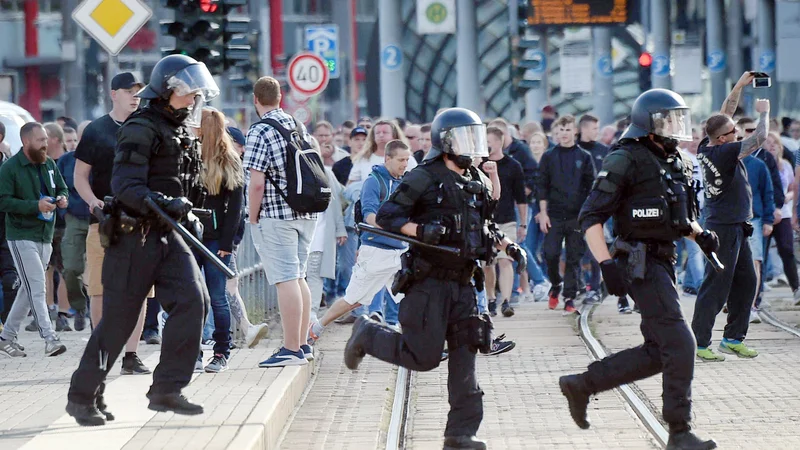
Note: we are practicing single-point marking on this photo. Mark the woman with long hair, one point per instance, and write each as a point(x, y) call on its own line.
point(373, 153)
point(223, 179)
point(782, 231)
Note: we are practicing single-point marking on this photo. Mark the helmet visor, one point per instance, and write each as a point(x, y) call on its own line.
point(194, 79)
point(673, 123)
point(469, 140)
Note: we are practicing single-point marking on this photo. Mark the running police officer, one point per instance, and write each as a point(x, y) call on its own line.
point(645, 186)
point(445, 201)
point(156, 158)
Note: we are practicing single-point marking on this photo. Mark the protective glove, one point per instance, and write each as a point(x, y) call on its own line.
point(194, 225)
point(176, 208)
point(431, 233)
point(615, 281)
point(519, 256)
point(708, 241)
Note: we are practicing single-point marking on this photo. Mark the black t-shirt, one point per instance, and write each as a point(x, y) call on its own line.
point(96, 148)
point(512, 189)
point(729, 199)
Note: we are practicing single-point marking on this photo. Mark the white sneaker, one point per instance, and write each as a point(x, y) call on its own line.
point(541, 291)
point(54, 347)
point(207, 344)
point(767, 287)
point(255, 333)
point(198, 366)
point(754, 317)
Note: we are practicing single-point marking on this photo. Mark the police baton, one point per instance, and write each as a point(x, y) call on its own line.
point(189, 237)
point(713, 259)
point(410, 240)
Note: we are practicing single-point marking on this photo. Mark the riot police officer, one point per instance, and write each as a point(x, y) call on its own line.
point(156, 158)
point(445, 201)
point(645, 184)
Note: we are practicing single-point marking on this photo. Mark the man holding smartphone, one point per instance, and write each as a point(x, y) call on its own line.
point(728, 211)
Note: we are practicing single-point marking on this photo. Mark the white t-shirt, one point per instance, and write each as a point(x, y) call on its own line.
point(363, 167)
point(318, 243)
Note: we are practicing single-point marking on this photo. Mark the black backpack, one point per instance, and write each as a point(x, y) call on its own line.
point(307, 188)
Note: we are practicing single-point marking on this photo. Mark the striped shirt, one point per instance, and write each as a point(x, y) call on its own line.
point(265, 151)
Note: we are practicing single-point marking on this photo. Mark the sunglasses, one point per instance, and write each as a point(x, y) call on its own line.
point(750, 130)
point(729, 132)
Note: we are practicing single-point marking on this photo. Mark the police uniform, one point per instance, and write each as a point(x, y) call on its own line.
point(156, 158)
point(647, 191)
point(440, 302)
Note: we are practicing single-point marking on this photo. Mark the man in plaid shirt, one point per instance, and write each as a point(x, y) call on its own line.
point(281, 235)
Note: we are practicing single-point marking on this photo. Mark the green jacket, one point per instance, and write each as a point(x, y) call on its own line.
point(20, 190)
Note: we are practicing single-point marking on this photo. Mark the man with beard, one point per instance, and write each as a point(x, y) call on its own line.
point(31, 187)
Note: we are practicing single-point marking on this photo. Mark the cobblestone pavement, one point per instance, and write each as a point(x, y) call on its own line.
point(523, 407)
point(741, 403)
point(343, 409)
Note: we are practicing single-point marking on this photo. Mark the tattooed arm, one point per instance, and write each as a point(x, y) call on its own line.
point(755, 140)
point(732, 102)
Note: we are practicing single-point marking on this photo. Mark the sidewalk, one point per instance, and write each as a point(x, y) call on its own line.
point(747, 404)
point(246, 407)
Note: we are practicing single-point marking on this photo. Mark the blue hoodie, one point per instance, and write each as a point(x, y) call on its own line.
point(761, 185)
point(371, 201)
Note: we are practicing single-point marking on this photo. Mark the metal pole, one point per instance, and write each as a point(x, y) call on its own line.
point(716, 59)
point(74, 70)
point(112, 68)
point(393, 85)
point(260, 10)
point(733, 19)
point(469, 96)
point(659, 15)
point(766, 50)
point(342, 17)
point(603, 75)
point(536, 98)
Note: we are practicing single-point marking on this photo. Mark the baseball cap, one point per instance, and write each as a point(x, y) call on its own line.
point(236, 135)
point(357, 131)
point(548, 109)
point(125, 80)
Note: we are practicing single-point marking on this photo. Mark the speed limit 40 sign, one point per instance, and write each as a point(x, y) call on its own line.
point(308, 74)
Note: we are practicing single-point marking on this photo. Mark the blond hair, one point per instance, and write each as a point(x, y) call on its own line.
point(777, 137)
point(221, 163)
point(371, 146)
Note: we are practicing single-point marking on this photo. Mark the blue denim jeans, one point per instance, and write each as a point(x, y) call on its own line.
point(221, 311)
point(533, 243)
point(695, 265)
point(384, 303)
point(482, 301)
point(345, 260)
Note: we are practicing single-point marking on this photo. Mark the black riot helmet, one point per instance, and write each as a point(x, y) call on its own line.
point(660, 112)
point(459, 132)
point(180, 74)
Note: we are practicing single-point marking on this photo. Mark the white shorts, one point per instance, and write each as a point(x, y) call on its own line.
point(375, 268)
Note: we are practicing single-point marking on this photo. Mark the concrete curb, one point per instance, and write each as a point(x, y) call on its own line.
point(262, 428)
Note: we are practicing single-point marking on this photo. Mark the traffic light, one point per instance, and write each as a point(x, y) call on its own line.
point(528, 60)
point(203, 31)
point(645, 69)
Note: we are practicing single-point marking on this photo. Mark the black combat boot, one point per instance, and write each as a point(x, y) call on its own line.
point(174, 402)
point(85, 415)
point(454, 442)
point(578, 397)
point(362, 333)
point(681, 438)
point(103, 408)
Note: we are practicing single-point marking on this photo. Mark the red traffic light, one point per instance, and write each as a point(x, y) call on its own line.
point(645, 59)
point(208, 6)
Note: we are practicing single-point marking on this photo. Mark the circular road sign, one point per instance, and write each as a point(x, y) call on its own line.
point(308, 74)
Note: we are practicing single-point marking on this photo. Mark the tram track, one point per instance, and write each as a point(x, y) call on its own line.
point(633, 399)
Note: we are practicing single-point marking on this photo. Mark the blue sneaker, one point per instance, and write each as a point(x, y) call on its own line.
point(283, 357)
point(308, 352)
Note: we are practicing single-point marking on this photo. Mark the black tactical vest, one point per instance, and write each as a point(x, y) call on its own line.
point(657, 204)
point(462, 205)
point(175, 159)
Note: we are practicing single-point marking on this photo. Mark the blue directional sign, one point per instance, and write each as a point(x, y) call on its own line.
point(537, 55)
point(392, 57)
point(323, 40)
point(661, 66)
point(767, 61)
point(716, 61)
point(604, 66)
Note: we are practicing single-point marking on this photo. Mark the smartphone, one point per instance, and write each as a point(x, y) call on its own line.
point(761, 80)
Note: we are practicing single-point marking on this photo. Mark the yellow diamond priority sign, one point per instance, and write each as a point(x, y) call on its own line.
point(112, 23)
